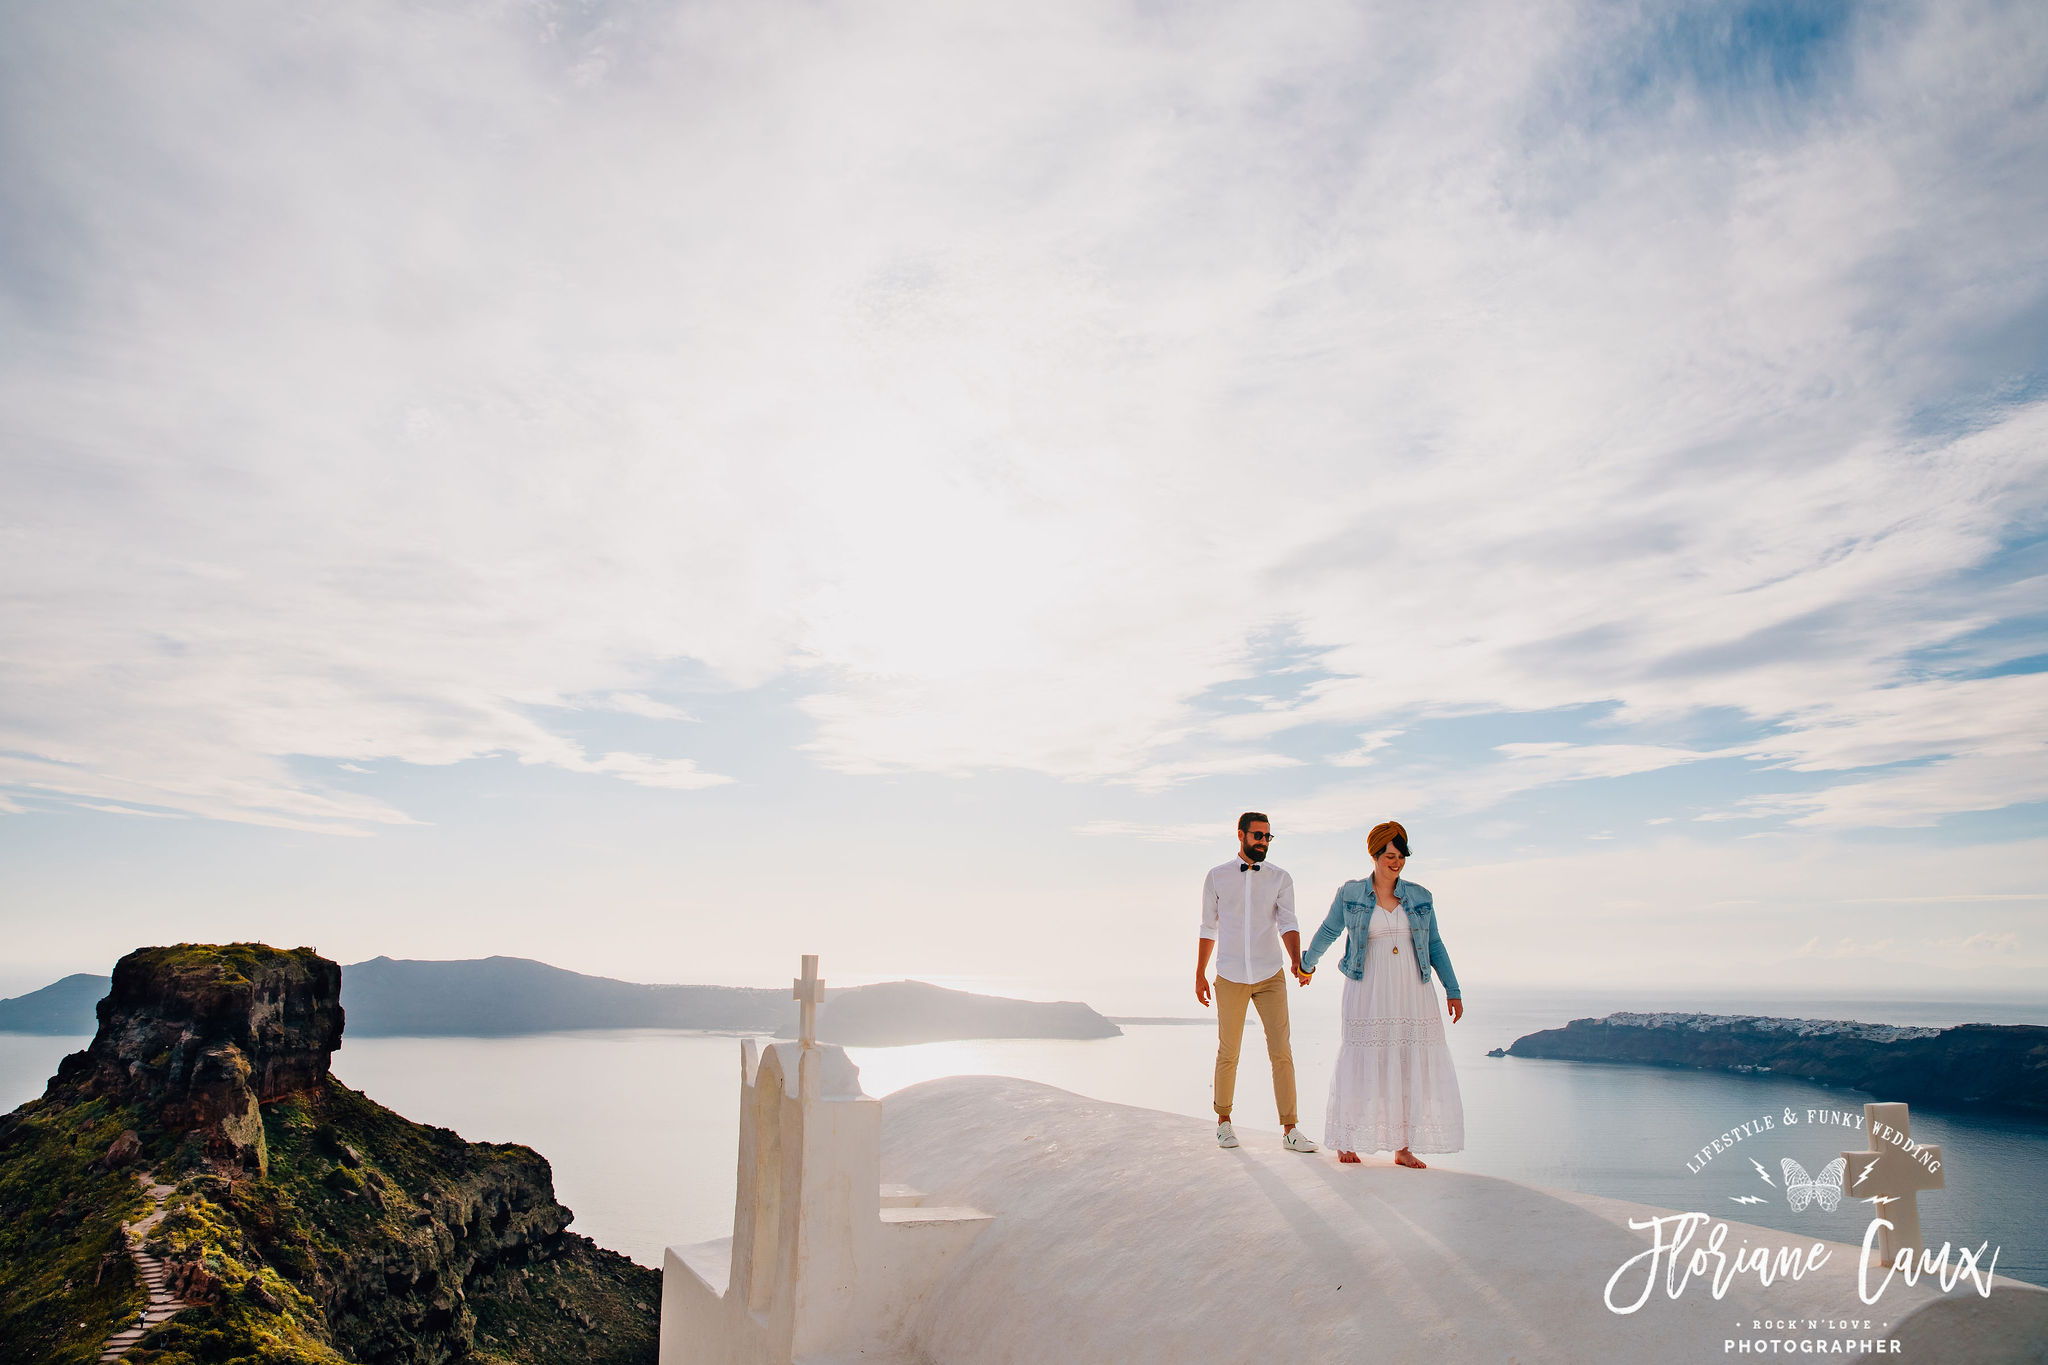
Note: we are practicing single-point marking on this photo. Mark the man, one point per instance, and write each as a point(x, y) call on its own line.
point(1247, 916)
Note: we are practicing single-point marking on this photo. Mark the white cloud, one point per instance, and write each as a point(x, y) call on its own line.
point(1369, 744)
point(1984, 738)
point(129, 810)
point(638, 704)
point(1159, 776)
point(1915, 796)
point(1990, 943)
point(1785, 912)
point(1192, 833)
point(1846, 947)
point(999, 377)
point(679, 774)
point(1948, 899)
point(1551, 761)
point(1955, 954)
point(176, 772)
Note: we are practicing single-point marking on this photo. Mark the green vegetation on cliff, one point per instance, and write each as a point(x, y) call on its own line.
point(335, 1231)
point(66, 1281)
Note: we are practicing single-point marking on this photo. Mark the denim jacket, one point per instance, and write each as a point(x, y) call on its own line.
point(1354, 906)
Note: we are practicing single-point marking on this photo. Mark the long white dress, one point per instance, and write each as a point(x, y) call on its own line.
point(1395, 1086)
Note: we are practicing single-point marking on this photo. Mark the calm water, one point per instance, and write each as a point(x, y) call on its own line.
point(642, 1126)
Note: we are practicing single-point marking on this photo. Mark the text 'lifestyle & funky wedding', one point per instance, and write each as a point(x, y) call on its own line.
point(1789, 1118)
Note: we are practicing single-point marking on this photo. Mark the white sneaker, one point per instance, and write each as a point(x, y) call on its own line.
point(1225, 1135)
point(1298, 1141)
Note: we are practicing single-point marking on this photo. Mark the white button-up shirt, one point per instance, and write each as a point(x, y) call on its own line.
point(1246, 909)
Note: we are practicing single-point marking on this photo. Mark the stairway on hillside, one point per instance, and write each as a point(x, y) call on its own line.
point(163, 1305)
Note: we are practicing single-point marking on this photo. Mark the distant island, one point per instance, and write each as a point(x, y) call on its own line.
point(62, 1008)
point(1991, 1066)
point(504, 996)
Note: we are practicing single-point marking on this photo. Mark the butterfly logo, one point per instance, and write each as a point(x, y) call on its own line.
point(1824, 1189)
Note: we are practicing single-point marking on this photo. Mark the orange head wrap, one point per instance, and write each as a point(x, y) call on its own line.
point(1391, 832)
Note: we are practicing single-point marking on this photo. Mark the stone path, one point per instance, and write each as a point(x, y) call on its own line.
point(162, 1304)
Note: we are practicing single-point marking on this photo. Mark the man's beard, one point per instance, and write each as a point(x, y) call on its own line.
point(1255, 855)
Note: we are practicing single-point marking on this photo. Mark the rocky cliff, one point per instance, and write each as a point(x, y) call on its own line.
point(308, 1223)
point(1997, 1066)
point(202, 1037)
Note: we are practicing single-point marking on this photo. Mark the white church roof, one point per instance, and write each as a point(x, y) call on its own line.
point(1126, 1235)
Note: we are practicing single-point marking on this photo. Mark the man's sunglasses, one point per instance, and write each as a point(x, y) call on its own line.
point(1262, 838)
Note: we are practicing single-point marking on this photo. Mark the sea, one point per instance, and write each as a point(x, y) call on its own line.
point(642, 1126)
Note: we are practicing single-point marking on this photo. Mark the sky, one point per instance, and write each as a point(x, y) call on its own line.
point(662, 487)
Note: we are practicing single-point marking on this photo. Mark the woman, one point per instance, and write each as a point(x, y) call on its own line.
point(1395, 1087)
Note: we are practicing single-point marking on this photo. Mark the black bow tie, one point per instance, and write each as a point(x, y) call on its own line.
point(1247, 867)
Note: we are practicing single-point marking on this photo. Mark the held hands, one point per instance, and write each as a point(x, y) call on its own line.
point(1457, 1008)
point(1302, 978)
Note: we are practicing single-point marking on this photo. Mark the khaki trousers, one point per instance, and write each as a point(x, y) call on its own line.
point(1270, 996)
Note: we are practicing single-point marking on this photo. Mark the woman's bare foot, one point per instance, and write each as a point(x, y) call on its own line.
point(1404, 1157)
point(1348, 1158)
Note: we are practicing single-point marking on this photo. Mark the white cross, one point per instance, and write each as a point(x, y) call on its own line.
point(810, 990)
point(1888, 1170)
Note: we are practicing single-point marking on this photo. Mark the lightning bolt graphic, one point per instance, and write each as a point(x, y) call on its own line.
point(1746, 1198)
point(1882, 1199)
point(1867, 1170)
point(1764, 1173)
